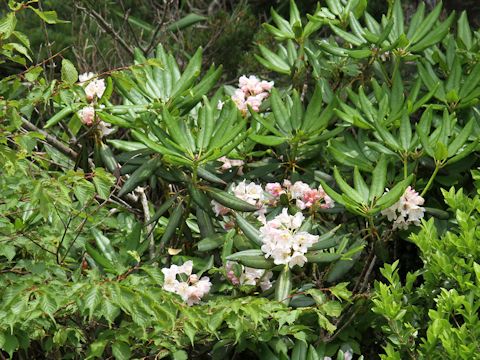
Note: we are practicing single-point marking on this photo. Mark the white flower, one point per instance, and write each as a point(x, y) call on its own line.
point(192, 290)
point(297, 259)
point(186, 268)
point(407, 210)
point(249, 276)
point(282, 240)
point(104, 128)
point(93, 86)
point(265, 283)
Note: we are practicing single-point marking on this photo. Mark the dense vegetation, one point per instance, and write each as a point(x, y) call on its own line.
point(181, 182)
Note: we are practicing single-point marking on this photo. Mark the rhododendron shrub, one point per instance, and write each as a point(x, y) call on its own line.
point(157, 211)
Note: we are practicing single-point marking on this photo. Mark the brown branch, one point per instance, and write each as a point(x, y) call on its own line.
point(51, 139)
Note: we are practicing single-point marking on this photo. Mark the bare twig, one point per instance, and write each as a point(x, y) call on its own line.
point(48, 45)
point(106, 27)
point(38, 244)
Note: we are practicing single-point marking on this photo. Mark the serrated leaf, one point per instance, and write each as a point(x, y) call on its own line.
point(92, 300)
point(69, 73)
point(103, 182)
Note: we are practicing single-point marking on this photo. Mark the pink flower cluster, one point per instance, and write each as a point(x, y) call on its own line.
point(251, 91)
point(407, 210)
point(248, 192)
point(192, 290)
point(302, 193)
point(283, 241)
point(249, 276)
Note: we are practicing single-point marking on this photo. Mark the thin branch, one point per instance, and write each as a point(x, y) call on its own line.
point(51, 139)
point(38, 244)
point(106, 27)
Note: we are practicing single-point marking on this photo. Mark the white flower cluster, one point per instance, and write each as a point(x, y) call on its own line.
point(302, 193)
point(248, 192)
point(192, 290)
point(249, 276)
point(251, 91)
point(94, 89)
point(284, 242)
point(407, 210)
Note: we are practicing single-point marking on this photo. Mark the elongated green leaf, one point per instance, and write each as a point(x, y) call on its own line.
point(140, 175)
point(321, 257)
point(434, 36)
point(62, 114)
point(424, 26)
point(99, 258)
point(471, 82)
point(103, 243)
point(250, 231)
point(283, 286)
point(172, 225)
point(276, 61)
point(229, 200)
point(347, 189)
point(360, 184)
point(269, 140)
point(460, 139)
point(189, 75)
point(280, 112)
point(348, 37)
point(394, 194)
point(252, 258)
point(186, 21)
point(379, 178)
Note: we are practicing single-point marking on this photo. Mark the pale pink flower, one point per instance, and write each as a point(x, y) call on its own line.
point(251, 92)
point(249, 276)
point(229, 163)
point(274, 189)
point(307, 197)
point(219, 209)
point(87, 115)
point(298, 189)
point(93, 86)
point(287, 184)
point(254, 102)
point(204, 285)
